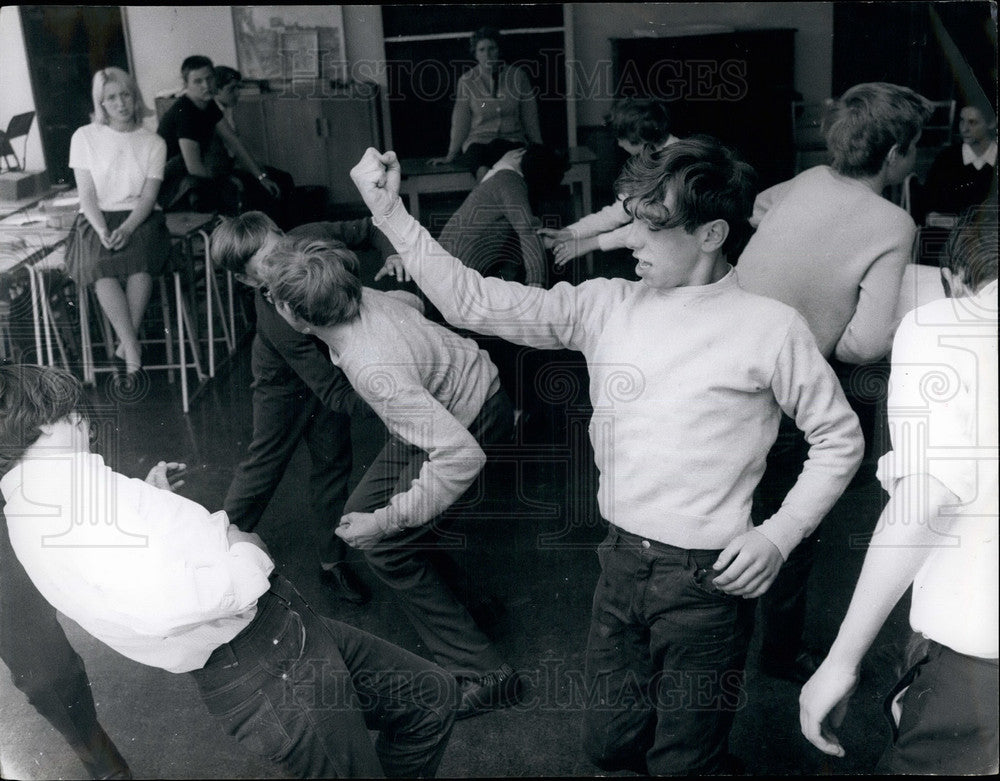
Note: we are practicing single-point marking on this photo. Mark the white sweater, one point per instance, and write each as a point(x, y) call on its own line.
point(687, 387)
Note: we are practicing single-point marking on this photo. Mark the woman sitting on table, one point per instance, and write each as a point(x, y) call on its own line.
point(119, 235)
point(495, 109)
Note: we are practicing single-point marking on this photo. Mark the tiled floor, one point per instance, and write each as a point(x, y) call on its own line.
point(531, 540)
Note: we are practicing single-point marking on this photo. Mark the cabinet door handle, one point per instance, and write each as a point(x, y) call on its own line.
point(319, 127)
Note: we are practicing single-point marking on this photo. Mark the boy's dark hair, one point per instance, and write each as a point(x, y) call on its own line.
point(224, 76)
point(193, 63)
point(711, 181)
point(867, 121)
point(971, 250)
point(640, 121)
point(543, 168)
point(317, 279)
point(236, 239)
point(30, 397)
point(483, 34)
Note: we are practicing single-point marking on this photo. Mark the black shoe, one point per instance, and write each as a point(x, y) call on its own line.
point(345, 584)
point(798, 670)
point(498, 689)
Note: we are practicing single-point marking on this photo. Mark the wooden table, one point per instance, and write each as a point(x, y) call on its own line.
point(31, 240)
point(422, 178)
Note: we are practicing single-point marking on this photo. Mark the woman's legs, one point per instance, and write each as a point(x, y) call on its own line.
point(125, 309)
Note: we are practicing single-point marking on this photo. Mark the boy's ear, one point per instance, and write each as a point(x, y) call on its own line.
point(714, 235)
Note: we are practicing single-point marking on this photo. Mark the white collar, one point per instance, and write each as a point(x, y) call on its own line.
point(988, 157)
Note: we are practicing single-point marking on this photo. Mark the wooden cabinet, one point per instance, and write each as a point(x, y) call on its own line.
point(317, 135)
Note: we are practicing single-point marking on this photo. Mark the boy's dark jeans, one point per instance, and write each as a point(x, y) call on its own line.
point(303, 690)
point(414, 563)
point(665, 657)
point(45, 667)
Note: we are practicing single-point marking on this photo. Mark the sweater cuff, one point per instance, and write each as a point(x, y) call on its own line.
point(395, 224)
point(783, 531)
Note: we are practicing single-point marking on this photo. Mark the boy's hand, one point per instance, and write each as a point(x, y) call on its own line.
point(748, 565)
point(572, 249)
point(234, 534)
point(166, 475)
point(823, 704)
point(553, 236)
point(393, 267)
point(377, 177)
point(360, 530)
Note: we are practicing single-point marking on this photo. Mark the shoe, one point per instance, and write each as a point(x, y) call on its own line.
point(344, 583)
point(499, 689)
point(797, 670)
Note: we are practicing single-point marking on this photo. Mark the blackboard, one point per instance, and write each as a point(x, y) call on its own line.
point(65, 46)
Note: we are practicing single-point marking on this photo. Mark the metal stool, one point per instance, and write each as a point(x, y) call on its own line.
point(186, 228)
point(184, 335)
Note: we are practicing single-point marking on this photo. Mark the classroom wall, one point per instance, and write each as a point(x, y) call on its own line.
point(209, 30)
point(161, 36)
point(15, 85)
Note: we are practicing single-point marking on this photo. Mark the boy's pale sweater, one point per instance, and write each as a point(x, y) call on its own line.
point(836, 251)
point(687, 387)
point(427, 384)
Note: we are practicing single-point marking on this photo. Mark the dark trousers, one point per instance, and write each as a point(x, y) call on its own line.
point(665, 658)
point(303, 690)
point(285, 412)
point(256, 198)
point(45, 667)
point(410, 562)
point(948, 723)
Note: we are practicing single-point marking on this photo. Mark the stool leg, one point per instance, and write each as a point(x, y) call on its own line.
point(227, 333)
point(209, 287)
point(192, 339)
point(168, 336)
point(86, 348)
point(35, 317)
point(179, 294)
point(51, 329)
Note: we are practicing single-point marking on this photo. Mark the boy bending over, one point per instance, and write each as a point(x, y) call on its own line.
point(166, 583)
point(440, 398)
point(689, 375)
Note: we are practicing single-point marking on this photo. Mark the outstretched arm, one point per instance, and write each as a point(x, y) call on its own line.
point(565, 316)
point(910, 526)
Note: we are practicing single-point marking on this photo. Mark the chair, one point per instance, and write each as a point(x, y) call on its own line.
point(18, 127)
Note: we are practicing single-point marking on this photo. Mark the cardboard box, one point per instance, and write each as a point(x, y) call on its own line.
point(17, 185)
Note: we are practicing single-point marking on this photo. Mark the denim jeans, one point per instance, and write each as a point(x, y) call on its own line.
point(665, 657)
point(413, 563)
point(303, 690)
point(44, 666)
